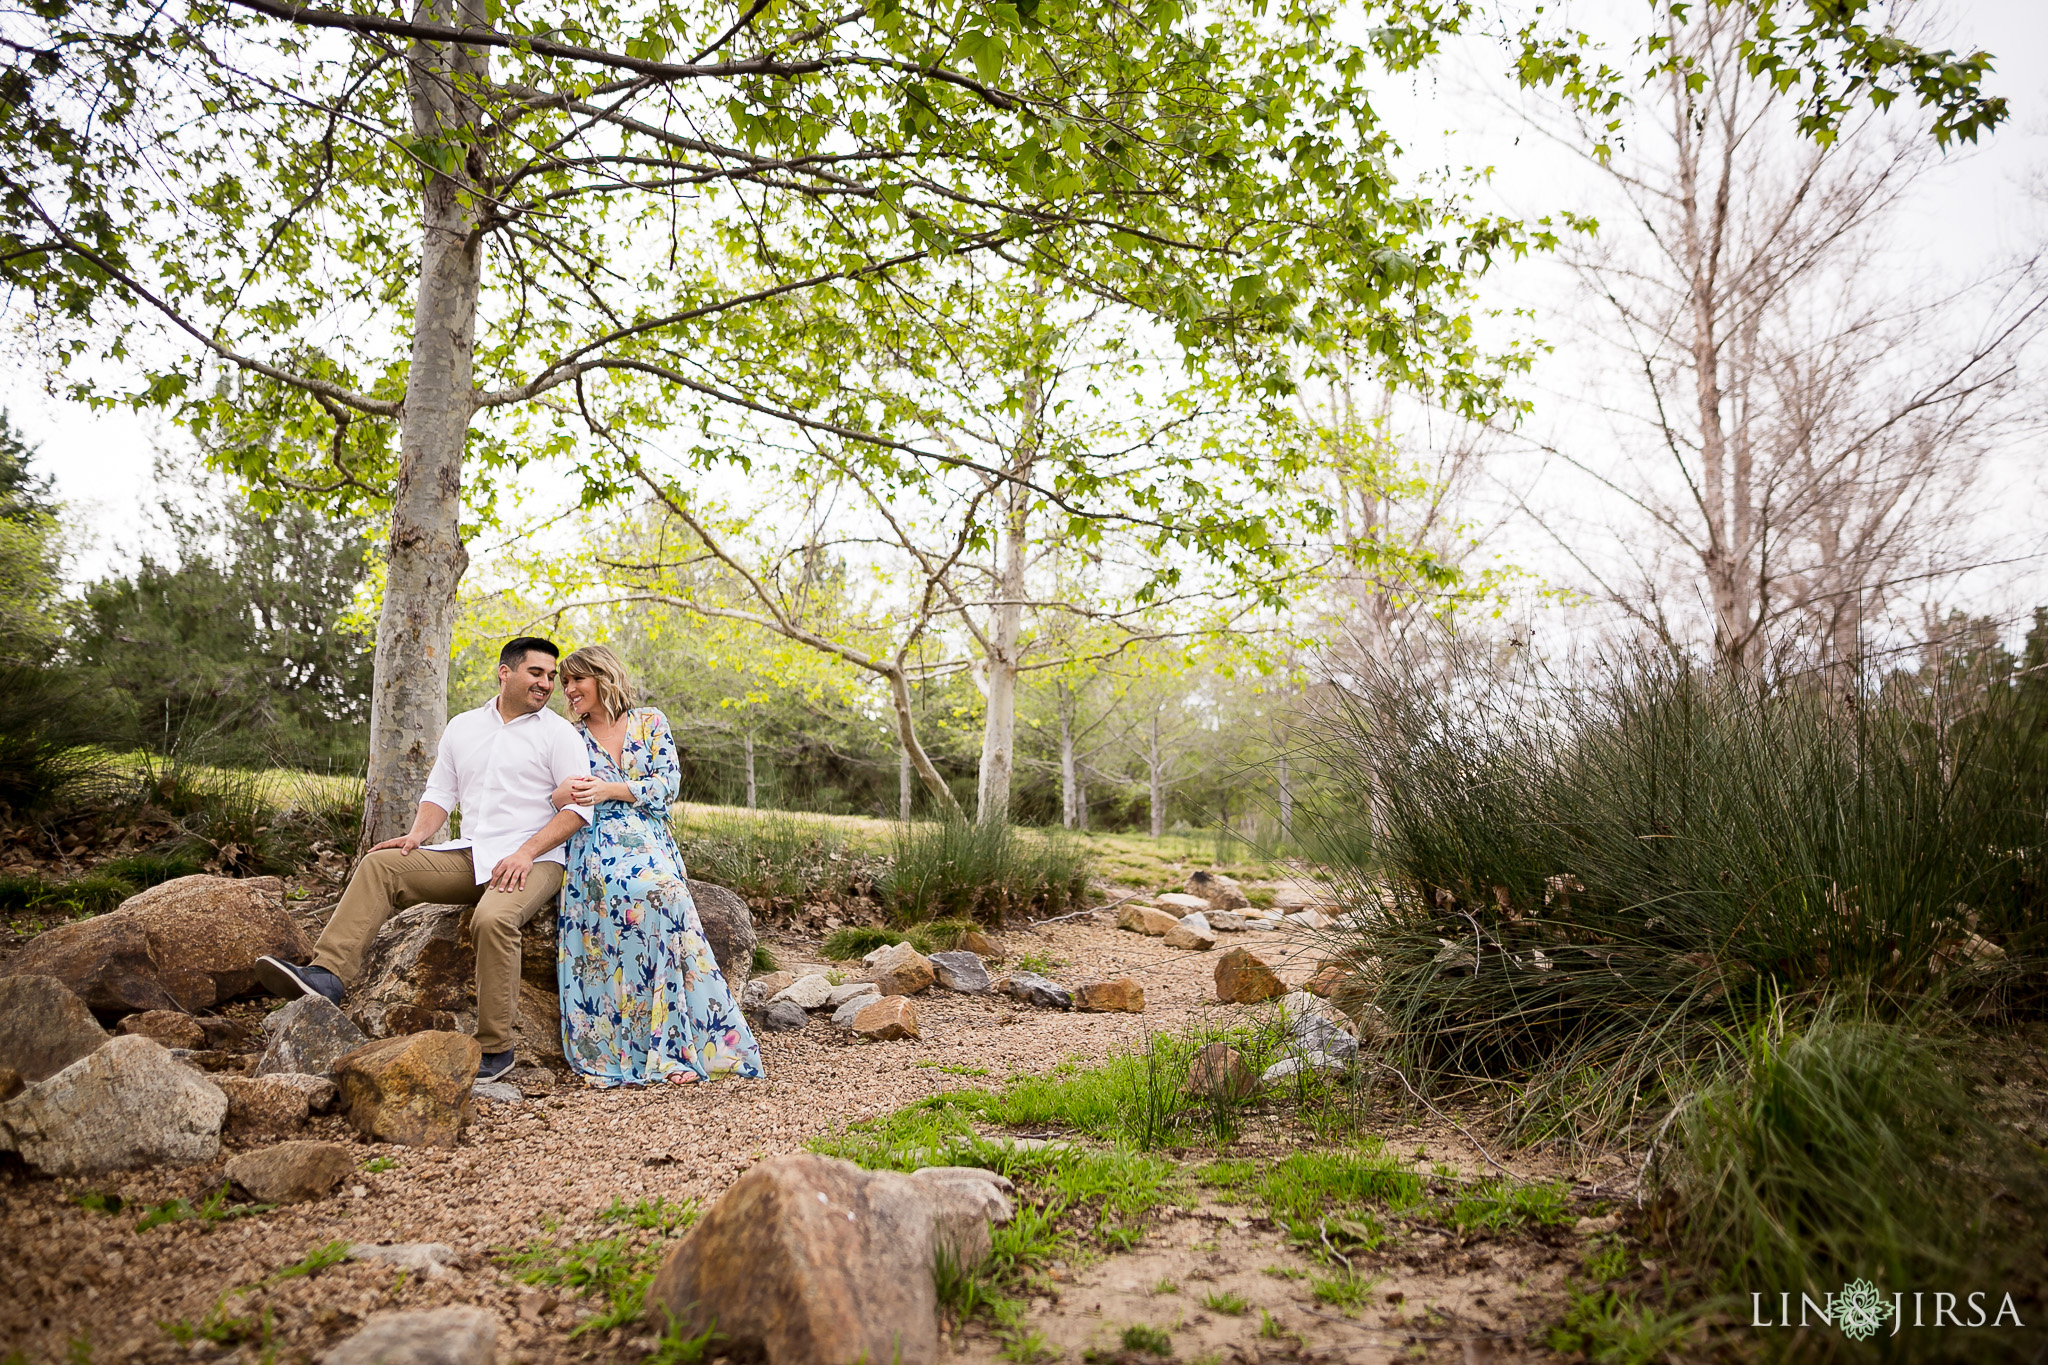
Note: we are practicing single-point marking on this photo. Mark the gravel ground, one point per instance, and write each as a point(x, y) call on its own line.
point(86, 1286)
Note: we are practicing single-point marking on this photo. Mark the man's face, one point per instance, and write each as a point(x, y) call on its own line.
point(525, 687)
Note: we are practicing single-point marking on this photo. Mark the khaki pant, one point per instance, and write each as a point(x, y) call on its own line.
point(389, 881)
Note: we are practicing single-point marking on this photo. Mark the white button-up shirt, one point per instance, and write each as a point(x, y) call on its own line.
point(500, 774)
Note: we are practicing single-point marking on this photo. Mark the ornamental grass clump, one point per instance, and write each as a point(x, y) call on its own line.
point(1572, 888)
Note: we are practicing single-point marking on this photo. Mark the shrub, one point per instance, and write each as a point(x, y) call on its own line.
point(47, 728)
point(779, 860)
point(1584, 884)
point(981, 871)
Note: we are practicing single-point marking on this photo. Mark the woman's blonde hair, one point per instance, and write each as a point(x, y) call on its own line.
point(601, 666)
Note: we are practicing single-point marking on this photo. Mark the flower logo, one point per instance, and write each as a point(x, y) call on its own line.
point(1860, 1310)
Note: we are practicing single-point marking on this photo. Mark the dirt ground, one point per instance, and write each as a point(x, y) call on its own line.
point(86, 1286)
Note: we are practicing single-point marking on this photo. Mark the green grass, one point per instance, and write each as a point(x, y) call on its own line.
point(1230, 1305)
point(1502, 1205)
point(376, 1165)
point(986, 871)
point(764, 959)
point(95, 1201)
point(213, 1209)
point(222, 1327)
point(1346, 1291)
point(1147, 1339)
point(616, 1270)
point(771, 857)
point(857, 941)
point(951, 1068)
point(1609, 1327)
point(313, 1262)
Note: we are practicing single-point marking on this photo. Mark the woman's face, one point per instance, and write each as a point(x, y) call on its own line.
point(582, 694)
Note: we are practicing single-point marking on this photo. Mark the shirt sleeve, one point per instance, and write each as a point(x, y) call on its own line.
point(568, 758)
point(442, 786)
point(655, 790)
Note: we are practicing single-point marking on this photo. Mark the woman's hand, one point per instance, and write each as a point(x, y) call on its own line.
point(588, 791)
point(562, 796)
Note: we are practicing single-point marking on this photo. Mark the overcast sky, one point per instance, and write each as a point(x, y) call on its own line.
point(1976, 211)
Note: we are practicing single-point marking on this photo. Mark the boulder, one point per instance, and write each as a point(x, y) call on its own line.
point(182, 945)
point(1226, 921)
point(11, 1083)
point(1105, 997)
point(1143, 919)
point(1310, 919)
point(413, 1091)
point(419, 976)
point(128, 1104)
point(784, 1016)
point(432, 1259)
point(293, 1172)
point(960, 971)
point(275, 1104)
point(729, 929)
point(1177, 904)
point(806, 992)
point(967, 1202)
point(1033, 989)
point(172, 1028)
point(849, 1010)
point(434, 1336)
point(887, 1019)
point(1313, 1033)
point(44, 1027)
point(901, 970)
point(306, 1037)
point(981, 945)
point(1312, 1063)
point(808, 1260)
point(1192, 932)
point(1243, 978)
point(1216, 890)
point(852, 990)
point(1219, 1072)
point(771, 983)
point(497, 1092)
point(1328, 980)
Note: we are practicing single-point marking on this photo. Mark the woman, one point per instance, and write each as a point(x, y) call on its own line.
point(643, 1000)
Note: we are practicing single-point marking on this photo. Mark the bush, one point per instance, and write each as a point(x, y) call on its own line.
point(1584, 885)
point(46, 728)
point(981, 871)
point(777, 860)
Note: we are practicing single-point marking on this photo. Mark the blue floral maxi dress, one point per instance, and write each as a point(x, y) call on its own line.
point(643, 1000)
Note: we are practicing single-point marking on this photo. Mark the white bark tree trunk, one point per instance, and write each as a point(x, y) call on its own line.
point(751, 795)
point(906, 792)
point(999, 729)
point(426, 559)
point(1286, 799)
point(906, 735)
point(1070, 786)
point(1157, 767)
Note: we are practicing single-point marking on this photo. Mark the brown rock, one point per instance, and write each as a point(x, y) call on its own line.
point(1243, 978)
point(10, 1083)
point(168, 1027)
point(808, 1260)
point(1328, 979)
point(44, 1027)
point(292, 1172)
point(1176, 903)
point(182, 945)
point(774, 983)
point(981, 945)
point(430, 1336)
point(399, 1020)
point(273, 1105)
point(890, 1018)
point(126, 1105)
point(1219, 1072)
point(1191, 932)
point(1105, 997)
point(728, 928)
point(901, 970)
point(1221, 892)
point(413, 1091)
point(1143, 919)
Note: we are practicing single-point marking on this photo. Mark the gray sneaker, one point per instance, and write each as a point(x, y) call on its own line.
point(290, 980)
point(494, 1065)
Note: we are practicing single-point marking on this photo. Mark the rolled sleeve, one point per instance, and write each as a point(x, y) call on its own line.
point(441, 786)
point(568, 758)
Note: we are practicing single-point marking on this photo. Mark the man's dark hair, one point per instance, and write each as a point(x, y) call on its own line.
point(515, 651)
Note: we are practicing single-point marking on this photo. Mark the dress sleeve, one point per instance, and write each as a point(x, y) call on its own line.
point(658, 777)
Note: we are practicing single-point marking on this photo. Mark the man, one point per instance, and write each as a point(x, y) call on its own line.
point(500, 766)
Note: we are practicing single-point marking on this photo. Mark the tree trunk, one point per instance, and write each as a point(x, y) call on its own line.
point(906, 735)
point(999, 730)
point(1286, 799)
point(1152, 761)
point(425, 559)
point(1070, 787)
point(751, 795)
point(905, 792)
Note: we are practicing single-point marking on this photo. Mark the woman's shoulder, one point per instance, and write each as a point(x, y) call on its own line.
point(648, 717)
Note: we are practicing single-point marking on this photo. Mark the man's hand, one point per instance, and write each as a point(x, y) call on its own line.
point(510, 873)
point(405, 843)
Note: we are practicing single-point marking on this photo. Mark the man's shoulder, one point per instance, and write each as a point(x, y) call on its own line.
point(476, 718)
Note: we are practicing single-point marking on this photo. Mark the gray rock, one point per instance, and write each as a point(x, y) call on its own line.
point(1193, 933)
point(436, 1336)
point(806, 992)
point(128, 1104)
point(293, 1172)
point(729, 929)
point(1314, 1033)
point(755, 996)
point(308, 1035)
point(843, 1017)
point(1256, 925)
point(1226, 921)
point(1033, 989)
point(852, 990)
point(44, 1027)
point(784, 1016)
point(1288, 1067)
point(498, 1092)
point(429, 1258)
point(966, 1204)
point(961, 971)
